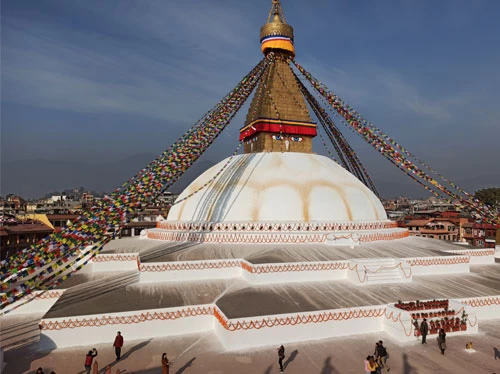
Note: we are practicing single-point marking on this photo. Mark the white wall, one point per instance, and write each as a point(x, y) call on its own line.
point(189, 270)
point(39, 304)
point(487, 307)
point(294, 272)
point(290, 332)
point(438, 265)
point(252, 273)
point(142, 324)
point(115, 262)
point(483, 256)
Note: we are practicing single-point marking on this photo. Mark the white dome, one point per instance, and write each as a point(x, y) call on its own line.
point(278, 187)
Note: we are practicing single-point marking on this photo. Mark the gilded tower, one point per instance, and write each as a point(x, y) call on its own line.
point(278, 119)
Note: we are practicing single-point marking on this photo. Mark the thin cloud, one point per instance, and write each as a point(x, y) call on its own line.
point(102, 75)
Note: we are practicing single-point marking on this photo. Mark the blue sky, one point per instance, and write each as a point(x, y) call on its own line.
point(89, 82)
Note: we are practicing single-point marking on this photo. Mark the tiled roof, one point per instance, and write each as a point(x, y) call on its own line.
point(27, 228)
point(418, 222)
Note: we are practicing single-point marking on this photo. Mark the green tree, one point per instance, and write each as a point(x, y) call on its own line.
point(489, 196)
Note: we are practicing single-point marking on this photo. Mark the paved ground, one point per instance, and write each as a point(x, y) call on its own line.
point(202, 354)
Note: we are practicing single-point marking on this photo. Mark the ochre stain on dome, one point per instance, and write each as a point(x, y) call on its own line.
point(303, 189)
point(278, 187)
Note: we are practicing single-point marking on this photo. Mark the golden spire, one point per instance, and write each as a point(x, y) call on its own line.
point(278, 119)
point(276, 34)
point(277, 13)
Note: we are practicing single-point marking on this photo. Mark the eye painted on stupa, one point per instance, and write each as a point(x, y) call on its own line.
point(277, 137)
point(296, 138)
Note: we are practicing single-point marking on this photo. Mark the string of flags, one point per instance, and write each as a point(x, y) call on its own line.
point(45, 264)
point(352, 162)
point(396, 153)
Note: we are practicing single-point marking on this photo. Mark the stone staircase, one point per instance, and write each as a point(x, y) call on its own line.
point(378, 270)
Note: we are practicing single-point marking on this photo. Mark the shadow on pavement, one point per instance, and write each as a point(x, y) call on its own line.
point(407, 368)
point(328, 367)
point(186, 365)
point(118, 364)
point(291, 358)
point(269, 369)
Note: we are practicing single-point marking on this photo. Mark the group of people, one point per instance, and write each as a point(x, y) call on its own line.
point(441, 339)
point(89, 358)
point(117, 345)
point(378, 361)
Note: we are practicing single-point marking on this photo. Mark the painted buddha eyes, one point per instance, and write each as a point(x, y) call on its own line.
point(292, 138)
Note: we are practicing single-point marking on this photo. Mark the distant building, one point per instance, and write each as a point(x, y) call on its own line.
point(17, 236)
point(480, 234)
point(61, 220)
point(433, 228)
point(12, 204)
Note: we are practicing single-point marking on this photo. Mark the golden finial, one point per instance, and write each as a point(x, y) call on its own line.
point(277, 13)
point(276, 34)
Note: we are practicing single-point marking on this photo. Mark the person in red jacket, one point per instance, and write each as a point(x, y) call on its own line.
point(118, 344)
point(89, 358)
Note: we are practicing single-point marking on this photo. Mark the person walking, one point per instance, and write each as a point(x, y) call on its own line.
point(118, 344)
point(165, 364)
point(442, 340)
point(367, 361)
point(382, 355)
point(375, 352)
point(372, 365)
point(88, 360)
point(424, 330)
point(281, 357)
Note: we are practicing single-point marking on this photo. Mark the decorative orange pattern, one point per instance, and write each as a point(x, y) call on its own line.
point(439, 261)
point(290, 267)
point(484, 301)
point(115, 257)
point(55, 294)
point(275, 226)
point(126, 320)
point(485, 252)
point(269, 238)
point(364, 238)
point(297, 319)
point(236, 237)
point(172, 266)
point(409, 331)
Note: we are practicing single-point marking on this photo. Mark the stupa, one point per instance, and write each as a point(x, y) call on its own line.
point(274, 245)
point(277, 191)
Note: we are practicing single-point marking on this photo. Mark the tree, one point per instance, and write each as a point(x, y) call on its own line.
point(490, 196)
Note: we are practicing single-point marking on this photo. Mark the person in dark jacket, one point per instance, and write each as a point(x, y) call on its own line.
point(382, 355)
point(424, 330)
point(118, 344)
point(281, 357)
point(442, 341)
point(89, 358)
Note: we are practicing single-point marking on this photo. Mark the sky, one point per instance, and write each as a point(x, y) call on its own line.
point(91, 88)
